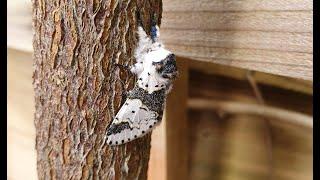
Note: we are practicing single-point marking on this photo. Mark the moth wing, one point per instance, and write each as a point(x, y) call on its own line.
point(131, 122)
point(151, 81)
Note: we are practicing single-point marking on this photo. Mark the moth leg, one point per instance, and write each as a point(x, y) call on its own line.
point(123, 86)
point(135, 69)
point(124, 92)
point(123, 67)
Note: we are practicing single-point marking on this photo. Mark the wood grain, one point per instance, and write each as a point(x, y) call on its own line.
point(291, 64)
point(268, 36)
point(283, 21)
point(263, 40)
point(240, 5)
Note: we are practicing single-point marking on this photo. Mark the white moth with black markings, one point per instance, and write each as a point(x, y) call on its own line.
point(143, 109)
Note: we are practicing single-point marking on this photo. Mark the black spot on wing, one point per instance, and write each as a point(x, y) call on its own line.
point(117, 128)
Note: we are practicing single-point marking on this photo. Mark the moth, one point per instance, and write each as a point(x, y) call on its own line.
point(142, 110)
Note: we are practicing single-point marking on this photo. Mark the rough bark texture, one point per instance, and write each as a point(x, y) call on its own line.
point(78, 89)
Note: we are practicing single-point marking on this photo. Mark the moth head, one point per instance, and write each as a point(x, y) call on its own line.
point(167, 67)
point(151, 49)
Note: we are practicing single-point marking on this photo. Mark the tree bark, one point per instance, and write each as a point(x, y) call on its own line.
point(78, 89)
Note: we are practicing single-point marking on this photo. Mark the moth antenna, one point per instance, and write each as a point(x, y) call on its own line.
point(124, 92)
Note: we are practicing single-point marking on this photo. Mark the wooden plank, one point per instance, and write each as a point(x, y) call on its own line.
point(235, 107)
point(225, 88)
point(298, 85)
point(277, 35)
point(284, 21)
point(263, 40)
point(158, 162)
point(292, 64)
point(231, 5)
point(176, 126)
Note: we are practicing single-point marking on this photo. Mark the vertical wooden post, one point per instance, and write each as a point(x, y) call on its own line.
point(176, 126)
point(157, 169)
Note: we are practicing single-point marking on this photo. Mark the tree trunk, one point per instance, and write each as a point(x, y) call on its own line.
point(78, 89)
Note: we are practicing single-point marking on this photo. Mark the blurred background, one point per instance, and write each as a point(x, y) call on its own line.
point(20, 103)
point(249, 100)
